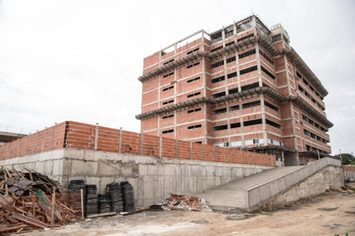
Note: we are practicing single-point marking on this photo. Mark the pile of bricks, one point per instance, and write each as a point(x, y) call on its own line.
point(77, 135)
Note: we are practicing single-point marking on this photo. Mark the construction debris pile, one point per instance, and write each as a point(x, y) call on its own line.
point(185, 202)
point(30, 200)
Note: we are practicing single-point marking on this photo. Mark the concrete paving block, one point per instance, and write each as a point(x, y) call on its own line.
point(156, 187)
point(108, 169)
point(84, 168)
point(194, 183)
point(67, 163)
point(168, 185)
point(201, 184)
point(227, 171)
point(140, 188)
point(31, 165)
point(148, 187)
point(290, 180)
point(153, 170)
point(217, 181)
point(142, 169)
point(104, 181)
point(234, 171)
point(210, 182)
point(169, 169)
point(189, 185)
point(127, 170)
point(211, 170)
point(57, 167)
point(64, 181)
point(264, 192)
point(219, 171)
point(253, 197)
point(75, 153)
point(148, 202)
point(48, 167)
point(39, 167)
point(274, 188)
point(226, 179)
point(246, 172)
point(196, 170)
point(93, 180)
point(281, 183)
point(203, 170)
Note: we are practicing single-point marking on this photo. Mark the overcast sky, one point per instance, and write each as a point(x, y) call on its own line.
point(80, 60)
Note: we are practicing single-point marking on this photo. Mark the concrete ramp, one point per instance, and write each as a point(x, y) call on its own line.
point(250, 192)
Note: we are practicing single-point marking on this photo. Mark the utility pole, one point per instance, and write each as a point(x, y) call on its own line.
point(342, 167)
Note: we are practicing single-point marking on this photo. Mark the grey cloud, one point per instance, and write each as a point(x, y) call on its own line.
point(79, 60)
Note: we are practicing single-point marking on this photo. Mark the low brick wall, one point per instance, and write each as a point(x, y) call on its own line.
point(77, 135)
point(349, 173)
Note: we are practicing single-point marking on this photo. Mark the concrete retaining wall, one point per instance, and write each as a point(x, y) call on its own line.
point(260, 194)
point(152, 178)
point(328, 178)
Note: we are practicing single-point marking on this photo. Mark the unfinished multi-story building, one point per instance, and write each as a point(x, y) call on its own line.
point(242, 86)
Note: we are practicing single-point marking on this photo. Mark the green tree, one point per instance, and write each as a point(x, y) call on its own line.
point(348, 159)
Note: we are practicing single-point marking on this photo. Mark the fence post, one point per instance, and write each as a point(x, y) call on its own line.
point(224, 156)
point(203, 151)
point(160, 147)
point(42, 135)
point(53, 133)
point(120, 141)
point(176, 149)
point(214, 153)
point(96, 136)
point(142, 143)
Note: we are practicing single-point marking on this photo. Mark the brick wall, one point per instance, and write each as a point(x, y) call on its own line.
point(44, 140)
point(72, 134)
point(349, 168)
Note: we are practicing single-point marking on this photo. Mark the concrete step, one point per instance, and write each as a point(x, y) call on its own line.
point(234, 194)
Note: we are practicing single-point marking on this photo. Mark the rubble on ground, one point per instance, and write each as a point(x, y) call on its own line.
point(185, 202)
point(30, 200)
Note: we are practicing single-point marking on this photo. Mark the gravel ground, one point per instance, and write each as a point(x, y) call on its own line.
point(328, 214)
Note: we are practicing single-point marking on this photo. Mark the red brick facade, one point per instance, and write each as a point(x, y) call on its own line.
point(241, 86)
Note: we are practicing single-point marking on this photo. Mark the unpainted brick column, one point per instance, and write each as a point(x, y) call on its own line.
point(142, 142)
point(120, 141)
point(96, 136)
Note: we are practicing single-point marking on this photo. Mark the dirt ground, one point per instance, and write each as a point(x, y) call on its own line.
point(329, 214)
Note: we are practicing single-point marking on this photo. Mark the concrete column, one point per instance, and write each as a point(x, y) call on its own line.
point(263, 116)
point(258, 64)
point(160, 146)
point(223, 36)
